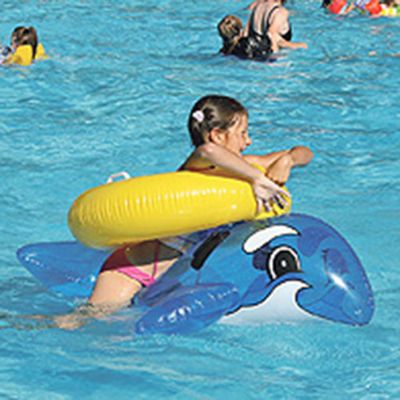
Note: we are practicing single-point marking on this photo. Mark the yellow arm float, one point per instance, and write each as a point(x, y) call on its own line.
point(162, 205)
point(24, 54)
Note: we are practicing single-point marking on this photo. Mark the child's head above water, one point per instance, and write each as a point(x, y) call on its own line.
point(219, 119)
point(24, 36)
point(229, 28)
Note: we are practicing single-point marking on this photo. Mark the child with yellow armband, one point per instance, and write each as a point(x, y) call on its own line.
point(25, 47)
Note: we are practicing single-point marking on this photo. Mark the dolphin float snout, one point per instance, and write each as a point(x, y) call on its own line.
point(347, 295)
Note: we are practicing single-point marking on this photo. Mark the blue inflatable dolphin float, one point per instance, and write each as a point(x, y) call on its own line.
point(291, 268)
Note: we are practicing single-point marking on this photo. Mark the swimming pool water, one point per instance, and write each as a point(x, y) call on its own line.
point(114, 96)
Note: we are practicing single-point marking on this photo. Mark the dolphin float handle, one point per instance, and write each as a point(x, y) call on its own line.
point(121, 174)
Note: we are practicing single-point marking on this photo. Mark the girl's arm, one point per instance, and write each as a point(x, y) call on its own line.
point(300, 155)
point(265, 160)
point(278, 165)
point(211, 155)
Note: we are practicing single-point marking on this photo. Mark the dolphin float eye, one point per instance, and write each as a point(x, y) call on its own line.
point(282, 260)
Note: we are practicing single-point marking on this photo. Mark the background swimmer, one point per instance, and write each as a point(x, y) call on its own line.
point(391, 8)
point(391, 3)
point(21, 36)
point(230, 28)
point(335, 6)
point(372, 7)
point(246, 47)
point(270, 18)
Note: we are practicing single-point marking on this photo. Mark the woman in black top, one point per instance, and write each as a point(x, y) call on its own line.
point(270, 18)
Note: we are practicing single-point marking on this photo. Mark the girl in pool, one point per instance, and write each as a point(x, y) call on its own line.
point(218, 127)
point(21, 36)
point(270, 19)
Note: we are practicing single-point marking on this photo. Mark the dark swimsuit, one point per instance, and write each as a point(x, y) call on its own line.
point(257, 45)
point(288, 35)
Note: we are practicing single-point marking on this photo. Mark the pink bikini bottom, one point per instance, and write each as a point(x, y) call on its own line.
point(119, 262)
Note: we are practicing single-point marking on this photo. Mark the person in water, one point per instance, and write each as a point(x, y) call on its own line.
point(218, 127)
point(230, 29)
point(372, 7)
point(21, 36)
point(335, 6)
point(391, 3)
point(390, 8)
point(269, 20)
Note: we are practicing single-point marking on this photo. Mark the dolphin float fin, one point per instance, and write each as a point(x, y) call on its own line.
point(189, 309)
point(68, 268)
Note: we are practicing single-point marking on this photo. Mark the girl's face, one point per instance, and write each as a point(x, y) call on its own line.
point(236, 138)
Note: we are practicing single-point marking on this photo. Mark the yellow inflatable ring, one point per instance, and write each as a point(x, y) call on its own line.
point(24, 55)
point(162, 205)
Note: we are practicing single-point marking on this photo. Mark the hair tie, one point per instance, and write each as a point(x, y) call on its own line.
point(198, 116)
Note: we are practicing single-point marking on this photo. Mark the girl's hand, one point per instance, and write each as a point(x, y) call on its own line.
point(279, 171)
point(266, 191)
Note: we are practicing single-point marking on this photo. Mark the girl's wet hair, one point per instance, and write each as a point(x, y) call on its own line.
point(23, 35)
point(229, 28)
point(212, 112)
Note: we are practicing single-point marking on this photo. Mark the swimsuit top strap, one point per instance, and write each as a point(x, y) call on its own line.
point(288, 35)
point(268, 19)
point(252, 30)
point(251, 27)
point(265, 23)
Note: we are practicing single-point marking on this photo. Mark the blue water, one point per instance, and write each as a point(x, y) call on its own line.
point(114, 96)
